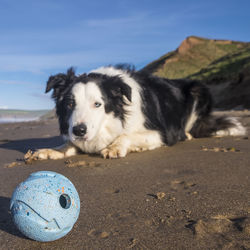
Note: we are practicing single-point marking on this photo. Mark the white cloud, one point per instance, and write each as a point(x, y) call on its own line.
point(41, 96)
point(114, 22)
point(37, 63)
point(3, 107)
point(13, 82)
point(134, 38)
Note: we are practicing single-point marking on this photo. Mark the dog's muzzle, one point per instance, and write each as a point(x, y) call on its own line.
point(80, 130)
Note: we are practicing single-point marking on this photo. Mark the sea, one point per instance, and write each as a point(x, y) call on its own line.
point(12, 116)
point(17, 119)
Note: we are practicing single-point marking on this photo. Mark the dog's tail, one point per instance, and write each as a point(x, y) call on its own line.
point(217, 126)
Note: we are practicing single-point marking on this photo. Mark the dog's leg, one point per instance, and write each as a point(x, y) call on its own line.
point(63, 151)
point(189, 136)
point(135, 142)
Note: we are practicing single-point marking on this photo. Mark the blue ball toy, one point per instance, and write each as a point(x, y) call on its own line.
point(45, 206)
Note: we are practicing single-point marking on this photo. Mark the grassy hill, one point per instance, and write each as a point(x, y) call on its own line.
point(201, 58)
point(223, 65)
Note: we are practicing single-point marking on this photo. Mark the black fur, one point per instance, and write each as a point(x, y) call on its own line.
point(61, 85)
point(166, 104)
point(113, 89)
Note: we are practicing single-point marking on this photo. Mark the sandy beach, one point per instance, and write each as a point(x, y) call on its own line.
point(194, 195)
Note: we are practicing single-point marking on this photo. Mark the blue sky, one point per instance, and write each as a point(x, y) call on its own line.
point(43, 37)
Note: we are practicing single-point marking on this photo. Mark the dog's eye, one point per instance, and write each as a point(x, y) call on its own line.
point(70, 104)
point(97, 104)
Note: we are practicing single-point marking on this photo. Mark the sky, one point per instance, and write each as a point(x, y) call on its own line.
point(39, 38)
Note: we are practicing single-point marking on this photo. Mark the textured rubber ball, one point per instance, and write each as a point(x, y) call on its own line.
point(45, 206)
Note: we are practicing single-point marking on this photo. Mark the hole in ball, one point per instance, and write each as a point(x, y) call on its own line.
point(65, 201)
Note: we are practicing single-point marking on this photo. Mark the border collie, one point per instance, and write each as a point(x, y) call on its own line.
point(115, 110)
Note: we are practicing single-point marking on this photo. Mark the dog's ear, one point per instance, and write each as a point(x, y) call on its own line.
point(122, 90)
point(126, 91)
point(60, 82)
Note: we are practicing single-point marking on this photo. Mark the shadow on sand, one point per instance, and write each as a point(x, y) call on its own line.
point(34, 143)
point(6, 223)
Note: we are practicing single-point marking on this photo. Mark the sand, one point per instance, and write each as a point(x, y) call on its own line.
point(194, 195)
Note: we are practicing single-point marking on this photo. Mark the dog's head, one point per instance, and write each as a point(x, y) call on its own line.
point(84, 103)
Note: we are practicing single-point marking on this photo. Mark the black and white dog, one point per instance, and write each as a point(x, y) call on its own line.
point(114, 111)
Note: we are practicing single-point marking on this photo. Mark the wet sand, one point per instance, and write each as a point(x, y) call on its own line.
point(194, 195)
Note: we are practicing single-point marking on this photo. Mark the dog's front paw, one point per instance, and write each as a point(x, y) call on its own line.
point(43, 154)
point(114, 151)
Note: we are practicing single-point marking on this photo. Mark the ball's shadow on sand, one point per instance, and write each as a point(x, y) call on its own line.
point(6, 223)
point(34, 143)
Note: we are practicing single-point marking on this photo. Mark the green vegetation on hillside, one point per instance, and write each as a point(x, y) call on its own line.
point(226, 68)
point(203, 59)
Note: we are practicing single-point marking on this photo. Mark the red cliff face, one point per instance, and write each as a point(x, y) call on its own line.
point(188, 43)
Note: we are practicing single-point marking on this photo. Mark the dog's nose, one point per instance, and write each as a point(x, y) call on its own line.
point(80, 130)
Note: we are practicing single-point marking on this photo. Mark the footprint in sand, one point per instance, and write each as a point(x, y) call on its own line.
point(178, 185)
point(222, 227)
point(99, 234)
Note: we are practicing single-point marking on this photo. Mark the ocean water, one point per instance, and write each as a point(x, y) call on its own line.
point(17, 119)
point(12, 115)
